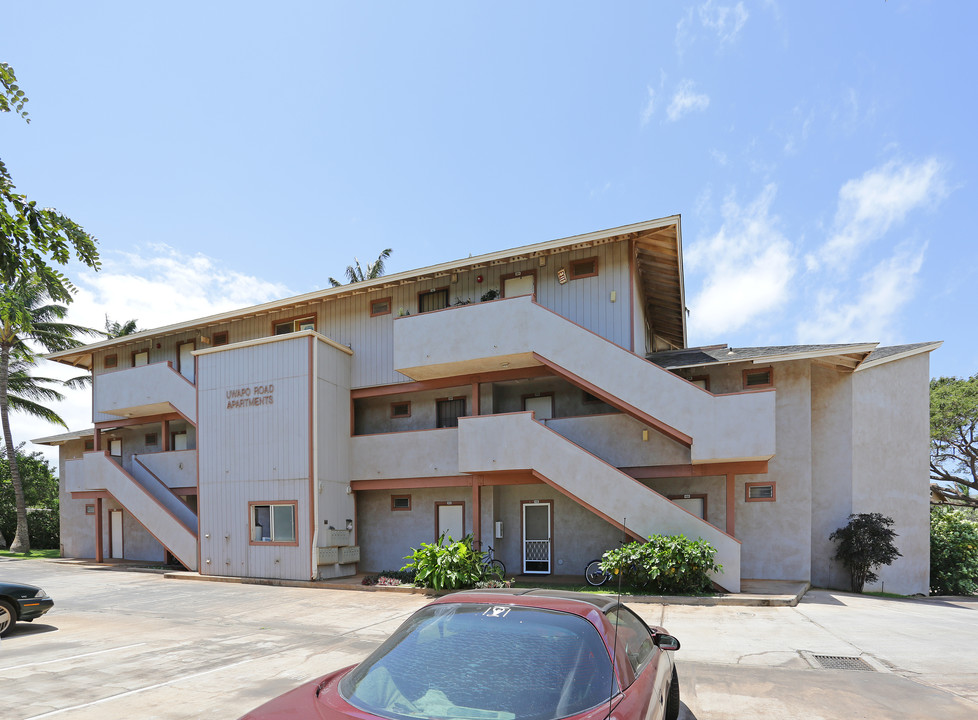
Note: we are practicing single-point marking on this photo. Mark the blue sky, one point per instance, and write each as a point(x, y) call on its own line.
point(822, 155)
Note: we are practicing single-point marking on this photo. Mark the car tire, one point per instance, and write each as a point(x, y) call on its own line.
point(8, 616)
point(672, 703)
point(594, 574)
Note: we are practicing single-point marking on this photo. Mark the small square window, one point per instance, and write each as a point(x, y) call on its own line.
point(89, 509)
point(761, 492)
point(380, 306)
point(273, 523)
point(150, 439)
point(401, 409)
point(583, 268)
point(762, 377)
point(110, 361)
point(89, 445)
point(400, 502)
point(220, 338)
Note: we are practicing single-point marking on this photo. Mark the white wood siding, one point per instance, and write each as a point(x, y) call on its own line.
point(254, 453)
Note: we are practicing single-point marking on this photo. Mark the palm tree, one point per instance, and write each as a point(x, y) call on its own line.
point(115, 329)
point(26, 320)
point(355, 273)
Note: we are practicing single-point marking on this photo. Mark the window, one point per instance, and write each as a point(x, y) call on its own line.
point(220, 338)
point(400, 502)
point(761, 492)
point(110, 362)
point(273, 523)
point(140, 358)
point(150, 439)
point(433, 300)
point(380, 306)
point(401, 409)
point(583, 268)
point(762, 377)
point(702, 381)
point(449, 410)
point(634, 636)
point(115, 447)
point(89, 445)
point(89, 509)
point(283, 327)
point(589, 398)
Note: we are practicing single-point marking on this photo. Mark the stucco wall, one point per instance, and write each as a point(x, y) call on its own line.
point(891, 437)
point(77, 528)
point(832, 444)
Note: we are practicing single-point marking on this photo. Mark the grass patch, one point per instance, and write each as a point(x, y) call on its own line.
point(885, 595)
point(35, 554)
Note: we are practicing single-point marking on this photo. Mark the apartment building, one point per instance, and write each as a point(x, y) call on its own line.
point(541, 399)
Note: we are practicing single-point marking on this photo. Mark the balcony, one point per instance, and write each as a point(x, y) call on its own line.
point(154, 389)
point(518, 332)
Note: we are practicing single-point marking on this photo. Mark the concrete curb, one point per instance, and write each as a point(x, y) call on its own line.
point(790, 599)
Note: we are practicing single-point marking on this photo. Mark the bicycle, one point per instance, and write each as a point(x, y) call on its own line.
point(594, 575)
point(492, 566)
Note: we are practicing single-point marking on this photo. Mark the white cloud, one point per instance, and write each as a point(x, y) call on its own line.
point(747, 268)
point(684, 36)
point(686, 100)
point(725, 21)
point(156, 286)
point(870, 316)
point(871, 205)
point(649, 109)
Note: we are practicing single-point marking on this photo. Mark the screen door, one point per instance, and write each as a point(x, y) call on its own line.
point(536, 538)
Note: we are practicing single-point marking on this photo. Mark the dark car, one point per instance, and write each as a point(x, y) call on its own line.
point(503, 655)
point(21, 602)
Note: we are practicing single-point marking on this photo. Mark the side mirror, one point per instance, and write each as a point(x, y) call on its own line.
point(665, 642)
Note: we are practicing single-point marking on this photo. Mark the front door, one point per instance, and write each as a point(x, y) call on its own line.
point(115, 539)
point(519, 285)
point(537, 546)
point(185, 360)
point(450, 520)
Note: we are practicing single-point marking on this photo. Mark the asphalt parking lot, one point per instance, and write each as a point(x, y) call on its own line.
point(124, 644)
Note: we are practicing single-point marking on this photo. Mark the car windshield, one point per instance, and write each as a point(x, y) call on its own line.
point(484, 662)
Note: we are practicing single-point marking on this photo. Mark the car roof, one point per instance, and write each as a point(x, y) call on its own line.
point(576, 602)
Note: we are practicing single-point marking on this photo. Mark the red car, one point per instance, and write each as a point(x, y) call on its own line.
point(503, 655)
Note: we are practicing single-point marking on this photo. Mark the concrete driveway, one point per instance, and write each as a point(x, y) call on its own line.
point(122, 644)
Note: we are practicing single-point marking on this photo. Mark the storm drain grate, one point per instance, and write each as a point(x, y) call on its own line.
point(842, 662)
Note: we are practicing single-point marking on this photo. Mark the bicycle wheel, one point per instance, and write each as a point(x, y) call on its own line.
point(594, 574)
point(497, 568)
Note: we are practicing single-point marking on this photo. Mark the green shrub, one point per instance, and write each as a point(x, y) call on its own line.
point(666, 564)
point(446, 564)
point(953, 551)
point(865, 544)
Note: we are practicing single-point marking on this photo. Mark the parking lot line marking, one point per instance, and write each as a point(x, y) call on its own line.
point(71, 657)
point(139, 690)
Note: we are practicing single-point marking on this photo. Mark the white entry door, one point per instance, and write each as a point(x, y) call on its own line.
point(536, 538)
point(186, 360)
point(542, 407)
point(694, 503)
point(519, 285)
point(451, 521)
point(115, 527)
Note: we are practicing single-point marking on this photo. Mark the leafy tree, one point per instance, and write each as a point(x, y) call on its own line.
point(31, 237)
point(26, 319)
point(953, 551)
point(115, 329)
point(953, 437)
point(40, 486)
point(865, 544)
point(355, 273)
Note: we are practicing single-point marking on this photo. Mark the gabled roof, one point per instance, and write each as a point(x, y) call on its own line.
point(658, 249)
point(850, 356)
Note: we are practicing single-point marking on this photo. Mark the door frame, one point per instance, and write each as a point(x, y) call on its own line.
point(550, 560)
point(521, 274)
point(692, 496)
point(452, 503)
